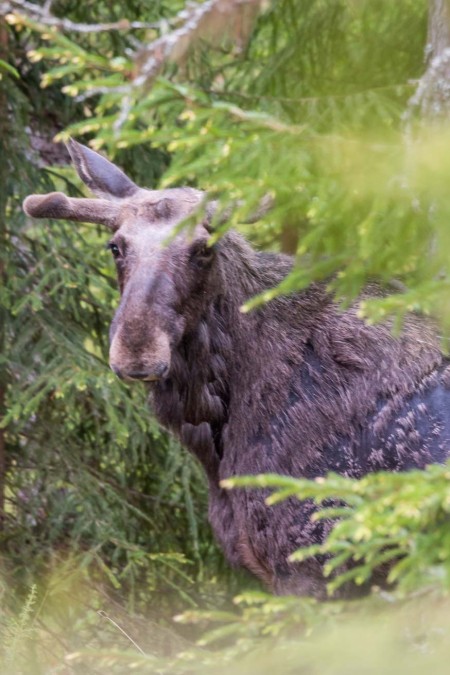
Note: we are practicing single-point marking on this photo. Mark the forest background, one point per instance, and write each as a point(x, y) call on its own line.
point(339, 110)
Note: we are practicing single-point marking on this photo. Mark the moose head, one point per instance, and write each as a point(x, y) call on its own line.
point(162, 269)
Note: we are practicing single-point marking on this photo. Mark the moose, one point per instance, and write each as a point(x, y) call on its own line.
point(297, 387)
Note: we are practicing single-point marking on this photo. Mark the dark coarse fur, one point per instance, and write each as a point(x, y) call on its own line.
point(297, 387)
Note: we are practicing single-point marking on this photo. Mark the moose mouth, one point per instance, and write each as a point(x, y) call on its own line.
point(142, 376)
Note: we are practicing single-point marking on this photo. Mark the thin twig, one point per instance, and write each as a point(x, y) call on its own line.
point(116, 625)
point(307, 99)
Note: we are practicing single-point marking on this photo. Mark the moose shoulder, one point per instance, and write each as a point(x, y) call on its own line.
point(297, 387)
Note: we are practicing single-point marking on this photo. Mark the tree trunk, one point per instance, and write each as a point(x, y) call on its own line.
point(432, 97)
point(438, 28)
point(3, 250)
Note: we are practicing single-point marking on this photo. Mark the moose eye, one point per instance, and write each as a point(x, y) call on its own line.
point(115, 250)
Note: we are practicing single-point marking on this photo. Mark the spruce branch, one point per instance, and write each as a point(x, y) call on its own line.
point(208, 20)
point(43, 15)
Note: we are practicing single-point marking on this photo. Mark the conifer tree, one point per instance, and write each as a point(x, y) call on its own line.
point(326, 106)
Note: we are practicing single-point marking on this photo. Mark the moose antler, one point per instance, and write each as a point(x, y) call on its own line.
point(58, 205)
point(102, 177)
point(115, 190)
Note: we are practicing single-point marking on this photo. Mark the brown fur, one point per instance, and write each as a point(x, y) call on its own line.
point(297, 387)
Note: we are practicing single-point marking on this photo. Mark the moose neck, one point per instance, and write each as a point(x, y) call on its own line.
point(195, 400)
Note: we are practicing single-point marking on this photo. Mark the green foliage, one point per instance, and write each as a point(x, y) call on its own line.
point(396, 518)
point(88, 473)
point(302, 114)
point(17, 631)
point(105, 515)
point(262, 634)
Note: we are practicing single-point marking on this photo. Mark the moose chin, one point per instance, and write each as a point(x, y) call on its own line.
point(297, 387)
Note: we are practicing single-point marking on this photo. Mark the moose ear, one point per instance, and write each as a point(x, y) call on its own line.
point(101, 176)
point(214, 219)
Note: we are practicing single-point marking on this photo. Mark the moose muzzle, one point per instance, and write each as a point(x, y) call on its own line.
point(131, 360)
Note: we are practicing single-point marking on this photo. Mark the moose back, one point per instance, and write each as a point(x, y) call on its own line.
point(297, 387)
